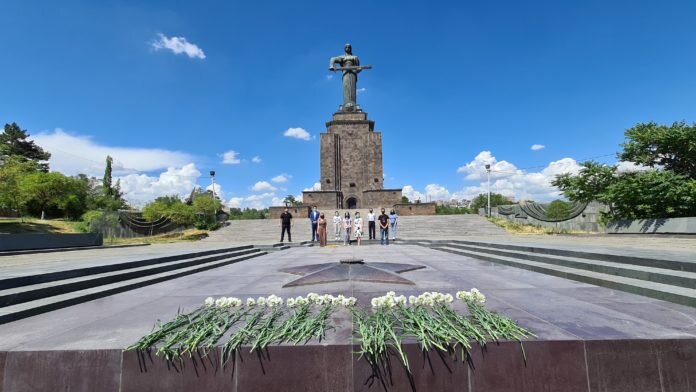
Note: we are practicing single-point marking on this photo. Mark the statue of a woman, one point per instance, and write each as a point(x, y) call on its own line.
point(350, 66)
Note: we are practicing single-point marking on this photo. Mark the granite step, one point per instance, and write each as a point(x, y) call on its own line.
point(32, 279)
point(653, 274)
point(678, 265)
point(47, 304)
point(27, 293)
point(665, 292)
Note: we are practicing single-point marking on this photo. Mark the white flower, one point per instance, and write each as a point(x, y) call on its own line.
point(210, 301)
point(251, 302)
point(401, 299)
point(391, 294)
point(261, 301)
point(220, 302)
point(412, 299)
point(312, 296)
point(290, 302)
point(375, 302)
point(448, 298)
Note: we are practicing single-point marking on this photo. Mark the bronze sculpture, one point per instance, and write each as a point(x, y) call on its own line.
point(350, 66)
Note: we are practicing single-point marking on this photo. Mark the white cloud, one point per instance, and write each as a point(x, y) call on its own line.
point(257, 201)
point(281, 178)
point(436, 192)
point(218, 189)
point(262, 186)
point(315, 187)
point(412, 194)
point(297, 133)
point(361, 90)
point(432, 192)
point(140, 188)
point(256, 159)
point(235, 202)
point(73, 154)
point(178, 45)
point(537, 147)
point(231, 157)
point(628, 167)
point(329, 76)
point(510, 181)
point(476, 169)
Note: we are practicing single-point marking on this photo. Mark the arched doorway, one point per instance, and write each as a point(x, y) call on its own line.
point(352, 203)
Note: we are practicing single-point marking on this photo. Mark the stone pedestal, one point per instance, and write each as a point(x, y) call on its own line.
point(351, 166)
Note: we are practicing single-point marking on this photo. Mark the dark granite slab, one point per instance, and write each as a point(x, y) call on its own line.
point(75, 370)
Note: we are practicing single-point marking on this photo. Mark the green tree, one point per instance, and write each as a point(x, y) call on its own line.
point(14, 143)
point(558, 209)
point(481, 201)
point(106, 181)
point(291, 201)
point(667, 191)
point(11, 173)
point(589, 184)
point(44, 190)
point(668, 147)
point(170, 207)
point(651, 194)
point(206, 209)
point(405, 200)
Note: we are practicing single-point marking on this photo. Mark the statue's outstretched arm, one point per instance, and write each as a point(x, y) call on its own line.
point(334, 60)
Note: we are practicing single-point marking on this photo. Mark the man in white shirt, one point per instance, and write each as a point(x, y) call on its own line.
point(371, 224)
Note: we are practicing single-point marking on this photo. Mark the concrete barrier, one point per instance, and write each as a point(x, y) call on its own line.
point(9, 242)
point(653, 226)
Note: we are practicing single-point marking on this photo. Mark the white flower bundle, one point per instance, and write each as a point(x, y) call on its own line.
point(472, 296)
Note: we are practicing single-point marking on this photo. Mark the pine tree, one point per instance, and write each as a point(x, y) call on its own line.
point(106, 182)
point(14, 143)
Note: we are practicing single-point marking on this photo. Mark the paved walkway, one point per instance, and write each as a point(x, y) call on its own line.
point(569, 310)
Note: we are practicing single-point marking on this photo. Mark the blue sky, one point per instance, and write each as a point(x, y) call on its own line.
point(454, 85)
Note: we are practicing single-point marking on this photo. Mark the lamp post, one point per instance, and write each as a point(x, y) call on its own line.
point(488, 175)
point(212, 180)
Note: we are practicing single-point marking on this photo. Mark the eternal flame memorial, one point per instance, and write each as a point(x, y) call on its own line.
point(597, 313)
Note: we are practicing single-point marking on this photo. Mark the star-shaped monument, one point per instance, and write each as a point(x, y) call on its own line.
point(350, 269)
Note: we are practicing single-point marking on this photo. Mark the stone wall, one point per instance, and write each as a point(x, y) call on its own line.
point(653, 226)
point(381, 198)
point(297, 212)
point(412, 209)
point(10, 242)
point(588, 220)
point(323, 199)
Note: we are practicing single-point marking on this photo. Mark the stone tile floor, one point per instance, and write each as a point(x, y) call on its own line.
point(554, 308)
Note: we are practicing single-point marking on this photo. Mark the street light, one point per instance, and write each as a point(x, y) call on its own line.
point(488, 174)
point(212, 180)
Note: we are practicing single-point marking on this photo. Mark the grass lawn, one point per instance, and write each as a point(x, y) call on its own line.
point(519, 228)
point(37, 226)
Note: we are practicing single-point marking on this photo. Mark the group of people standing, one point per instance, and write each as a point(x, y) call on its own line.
point(345, 227)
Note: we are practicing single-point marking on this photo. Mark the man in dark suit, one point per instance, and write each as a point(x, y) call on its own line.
point(313, 218)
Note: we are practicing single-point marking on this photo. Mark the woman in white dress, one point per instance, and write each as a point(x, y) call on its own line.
point(358, 225)
point(338, 226)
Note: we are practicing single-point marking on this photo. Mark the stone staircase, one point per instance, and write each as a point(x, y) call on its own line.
point(29, 295)
point(664, 279)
